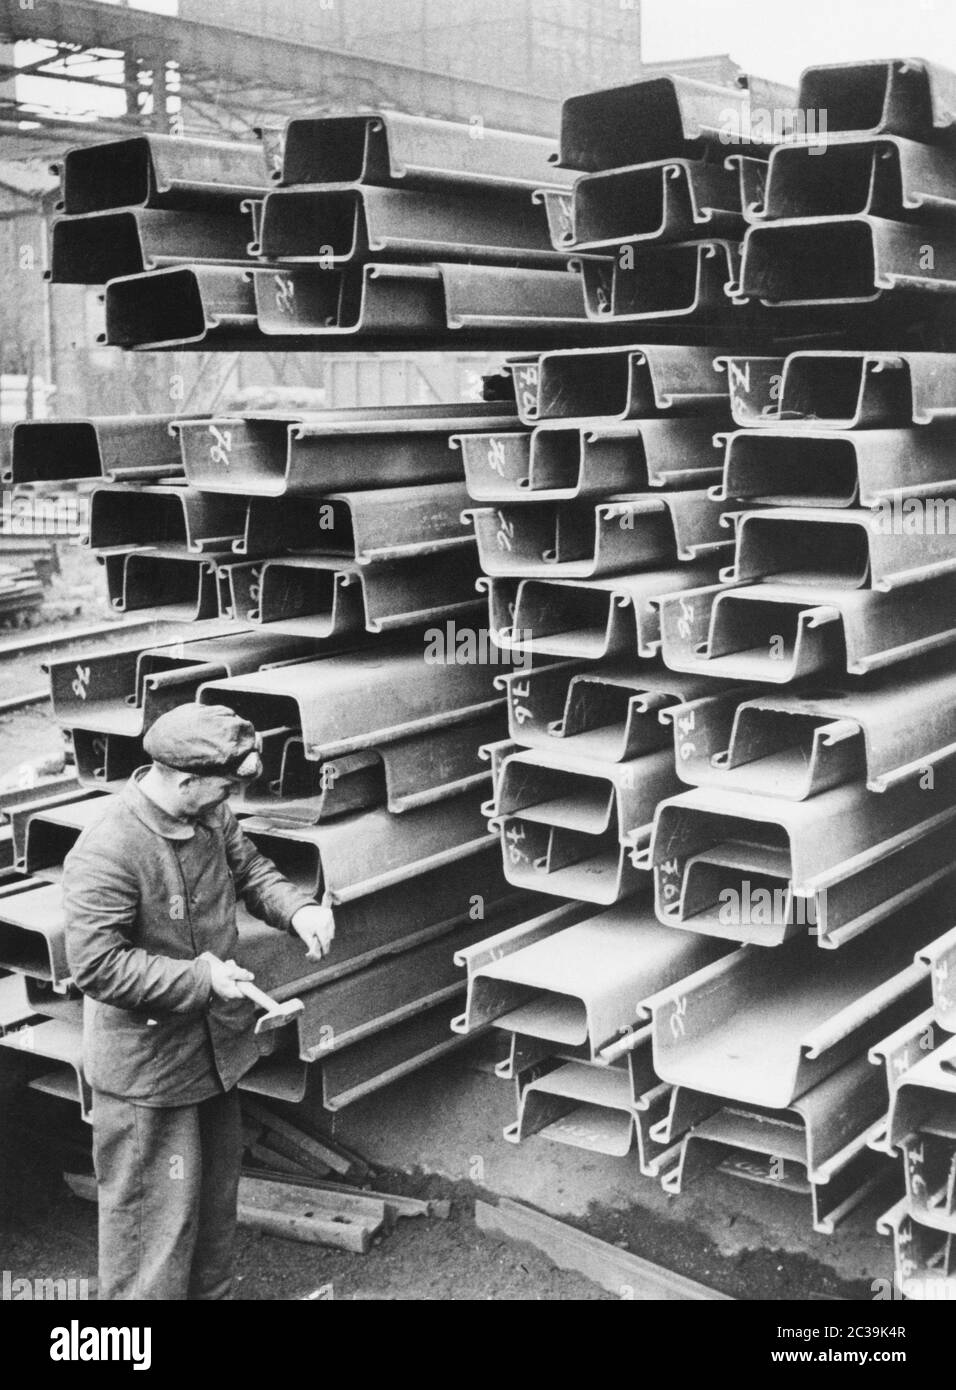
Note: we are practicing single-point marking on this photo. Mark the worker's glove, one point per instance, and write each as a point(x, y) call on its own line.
point(316, 926)
point(224, 974)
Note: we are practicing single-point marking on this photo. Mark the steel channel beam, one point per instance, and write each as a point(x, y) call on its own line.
point(664, 201)
point(389, 149)
point(322, 597)
point(838, 468)
point(101, 246)
point(842, 390)
point(798, 745)
point(940, 957)
point(41, 800)
point(566, 823)
point(883, 176)
point(50, 835)
point(184, 306)
point(668, 117)
point(273, 456)
point(32, 932)
point(349, 703)
point(368, 851)
point(686, 280)
point(160, 171)
point(761, 869)
point(384, 523)
point(385, 1057)
point(616, 536)
point(842, 260)
point(125, 691)
point(576, 984)
point(844, 548)
point(778, 633)
point(60, 1041)
point(620, 383)
point(587, 619)
point(368, 1001)
point(165, 517)
point(897, 96)
point(923, 1099)
point(448, 304)
point(763, 1027)
point(105, 760)
point(564, 461)
point(340, 225)
point(925, 1258)
point(595, 1108)
point(186, 584)
point(120, 448)
point(611, 714)
point(820, 1139)
point(415, 770)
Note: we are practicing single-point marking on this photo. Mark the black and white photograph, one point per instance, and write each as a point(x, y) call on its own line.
point(478, 668)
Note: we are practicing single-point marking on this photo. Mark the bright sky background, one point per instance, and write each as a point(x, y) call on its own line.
point(776, 39)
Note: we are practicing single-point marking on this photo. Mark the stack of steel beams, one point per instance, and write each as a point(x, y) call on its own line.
point(700, 905)
point(820, 816)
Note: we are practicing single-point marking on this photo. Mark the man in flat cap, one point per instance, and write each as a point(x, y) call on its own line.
point(149, 893)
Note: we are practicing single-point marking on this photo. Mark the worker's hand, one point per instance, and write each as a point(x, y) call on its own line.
point(316, 926)
point(225, 973)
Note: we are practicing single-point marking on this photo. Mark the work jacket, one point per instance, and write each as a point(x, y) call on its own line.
point(144, 895)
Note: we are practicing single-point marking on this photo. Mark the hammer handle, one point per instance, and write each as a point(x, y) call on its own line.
point(256, 995)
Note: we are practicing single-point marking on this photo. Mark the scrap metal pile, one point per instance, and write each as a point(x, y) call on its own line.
point(713, 502)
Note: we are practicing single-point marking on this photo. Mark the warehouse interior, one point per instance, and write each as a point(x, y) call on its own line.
point(541, 436)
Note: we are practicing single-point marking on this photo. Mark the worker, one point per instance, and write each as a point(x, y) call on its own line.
point(149, 892)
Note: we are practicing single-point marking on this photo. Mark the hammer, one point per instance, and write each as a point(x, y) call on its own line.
point(276, 1014)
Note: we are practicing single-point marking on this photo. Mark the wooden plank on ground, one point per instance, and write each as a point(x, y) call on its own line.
point(328, 1156)
point(623, 1274)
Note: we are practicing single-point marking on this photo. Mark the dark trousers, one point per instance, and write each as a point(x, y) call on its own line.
point(168, 1181)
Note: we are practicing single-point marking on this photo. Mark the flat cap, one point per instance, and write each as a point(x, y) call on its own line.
point(207, 740)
